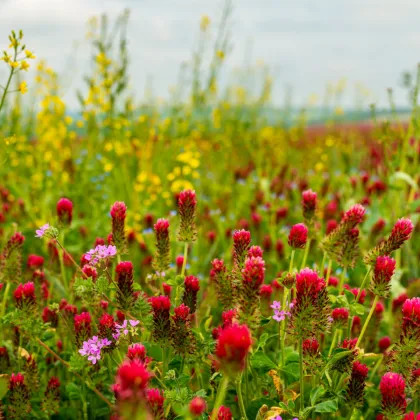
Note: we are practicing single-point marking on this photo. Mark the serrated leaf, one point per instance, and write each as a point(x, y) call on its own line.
point(291, 371)
point(329, 406)
point(342, 301)
point(171, 282)
point(102, 285)
point(357, 309)
point(260, 360)
point(316, 393)
point(73, 391)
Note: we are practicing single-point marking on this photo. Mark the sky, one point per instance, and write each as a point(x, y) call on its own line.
point(306, 44)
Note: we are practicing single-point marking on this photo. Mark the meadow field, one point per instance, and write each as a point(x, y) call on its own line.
point(206, 257)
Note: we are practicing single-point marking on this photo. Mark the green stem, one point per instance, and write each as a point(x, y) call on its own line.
point(199, 377)
point(333, 342)
point(362, 286)
point(7, 85)
point(220, 397)
point(321, 268)
point(329, 271)
point(376, 367)
point(365, 325)
point(283, 326)
point(305, 255)
point(342, 278)
point(5, 296)
point(240, 398)
point(302, 390)
point(163, 361)
point(71, 259)
point(246, 378)
point(184, 262)
point(292, 258)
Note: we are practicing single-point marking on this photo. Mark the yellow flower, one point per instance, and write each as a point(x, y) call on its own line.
point(220, 54)
point(108, 167)
point(205, 22)
point(30, 54)
point(339, 111)
point(23, 87)
point(13, 43)
point(6, 58)
point(14, 64)
point(24, 65)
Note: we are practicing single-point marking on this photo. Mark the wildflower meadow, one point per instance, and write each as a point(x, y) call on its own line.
point(200, 259)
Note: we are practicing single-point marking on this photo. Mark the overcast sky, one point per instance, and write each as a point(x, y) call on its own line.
point(305, 43)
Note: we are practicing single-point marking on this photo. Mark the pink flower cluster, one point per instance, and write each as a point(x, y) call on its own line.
point(280, 315)
point(101, 252)
point(125, 328)
point(92, 348)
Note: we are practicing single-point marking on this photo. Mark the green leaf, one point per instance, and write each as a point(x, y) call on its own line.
point(338, 354)
point(342, 301)
point(48, 334)
point(329, 406)
point(262, 341)
point(357, 309)
point(414, 205)
point(291, 372)
point(398, 179)
point(260, 360)
point(4, 385)
point(264, 321)
point(349, 295)
point(102, 285)
point(292, 357)
point(73, 391)
point(77, 363)
point(317, 393)
point(255, 405)
point(332, 298)
point(171, 282)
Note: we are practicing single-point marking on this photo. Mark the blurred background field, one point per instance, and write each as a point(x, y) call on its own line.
point(206, 102)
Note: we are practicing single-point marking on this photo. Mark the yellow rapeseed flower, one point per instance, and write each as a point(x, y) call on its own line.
point(205, 22)
point(23, 87)
point(24, 65)
point(14, 64)
point(6, 58)
point(30, 54)
point(13, 43)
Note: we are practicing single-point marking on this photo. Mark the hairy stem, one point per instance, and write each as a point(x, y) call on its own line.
point(365, 325)
point(220, 397)
point(240, 398)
